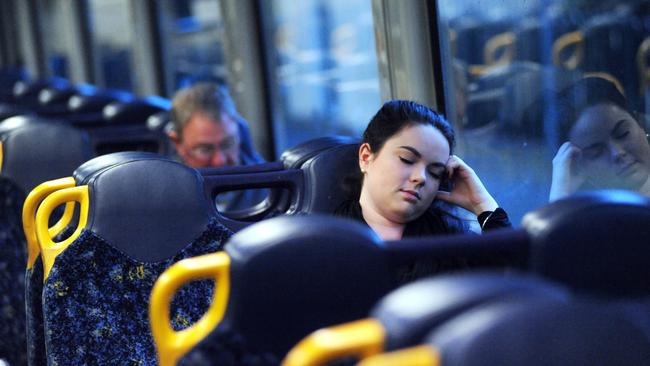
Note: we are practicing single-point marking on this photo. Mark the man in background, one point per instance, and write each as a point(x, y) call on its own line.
point(207, 132)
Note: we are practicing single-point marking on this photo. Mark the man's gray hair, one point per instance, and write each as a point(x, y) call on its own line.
point(208, 98)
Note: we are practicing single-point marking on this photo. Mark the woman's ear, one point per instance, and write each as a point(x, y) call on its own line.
point(365, 156)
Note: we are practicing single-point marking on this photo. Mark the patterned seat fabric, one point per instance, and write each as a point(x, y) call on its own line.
point(142, 216)
point(95, 301)
point(36, 354)
point(275, 300)
point(25, 164)
point(12, 267)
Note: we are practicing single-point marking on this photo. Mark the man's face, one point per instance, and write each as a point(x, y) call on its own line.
point(208, 143)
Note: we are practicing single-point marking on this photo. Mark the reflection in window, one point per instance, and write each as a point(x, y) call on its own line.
point(54, 19)
point(194, 40)
point(509, 60)
point(112, 29)
point(325, 68)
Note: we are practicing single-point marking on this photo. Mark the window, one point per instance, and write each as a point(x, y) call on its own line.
point(510, 63)
point(112, 29)
point(56, 39)
point(193, 31)
point(323, 65)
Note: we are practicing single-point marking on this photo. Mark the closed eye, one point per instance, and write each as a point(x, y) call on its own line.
point(593, 152)
point(405, 161)
point(623, 135)
point(435, 174)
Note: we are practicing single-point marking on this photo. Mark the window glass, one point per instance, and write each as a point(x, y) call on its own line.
point(55, 38)
point(511, 65)
point(113, 33)
point(194, 41)
point(323, 64)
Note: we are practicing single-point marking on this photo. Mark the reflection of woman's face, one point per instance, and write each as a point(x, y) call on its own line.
point(615, 150)
point(402, 179)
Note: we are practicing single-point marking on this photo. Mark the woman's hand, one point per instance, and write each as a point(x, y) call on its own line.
point(468, 191)
point(567, 178)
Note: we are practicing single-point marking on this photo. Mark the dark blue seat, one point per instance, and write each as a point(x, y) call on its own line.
point(34, 275)
point(405, 316)
point(33, 151)
point(309, 272)
point(137, 218)
point(594, 243)
point(542, 333)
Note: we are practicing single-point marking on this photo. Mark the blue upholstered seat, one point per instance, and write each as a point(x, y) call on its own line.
point(595, 243)
point(33, 151)
point(143, 215)
point(310, 272)
point(405, 316)
point(34, 275)
point(542, 333)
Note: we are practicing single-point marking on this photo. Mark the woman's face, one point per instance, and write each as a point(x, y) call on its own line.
point(615, 150)
point(402, 179)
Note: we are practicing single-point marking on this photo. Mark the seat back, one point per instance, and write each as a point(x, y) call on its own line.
point(137, 218)
point(289, 276)
point(593, 242)
point(34, 275)
point(542, 333)
point(296, 156)
point(32, 151)
point(324, 178)
point(405, 316)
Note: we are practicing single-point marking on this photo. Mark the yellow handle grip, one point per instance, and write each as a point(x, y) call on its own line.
point(63, 221)
point(172, 345)
point(505, 41)
point(49, 249)
point(564, 41)
point(414, 356)
point(29, 214)
point(361, 338)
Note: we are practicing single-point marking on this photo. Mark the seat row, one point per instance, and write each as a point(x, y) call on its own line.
point(276, 281)
point(35, 151)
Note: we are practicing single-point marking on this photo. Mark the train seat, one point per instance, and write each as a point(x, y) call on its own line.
point(594, 242)
point(325, 174)
point(60, 231)
point(32, 151)
point(137, 218)
point(405, 316)
point(286, 276)
point(542, 333)
point(309, 271)
point(296, 156)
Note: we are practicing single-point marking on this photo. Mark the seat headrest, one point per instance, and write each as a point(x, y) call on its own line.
point(542, 333)
point(95, 165)
point(10, 110)
point(291, 275)
point(135, 112)
point(297, 155)
point(149, 209)
point(40, 151)
point(594, 242)
point(14, 122)
point(80, 103)
point(409, 313)
point(324, 176)
point(52, 95)
point(159, 121)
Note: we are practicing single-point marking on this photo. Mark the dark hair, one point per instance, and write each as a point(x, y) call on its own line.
point(396, 115)
point(585, 93)
point(392, 117)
